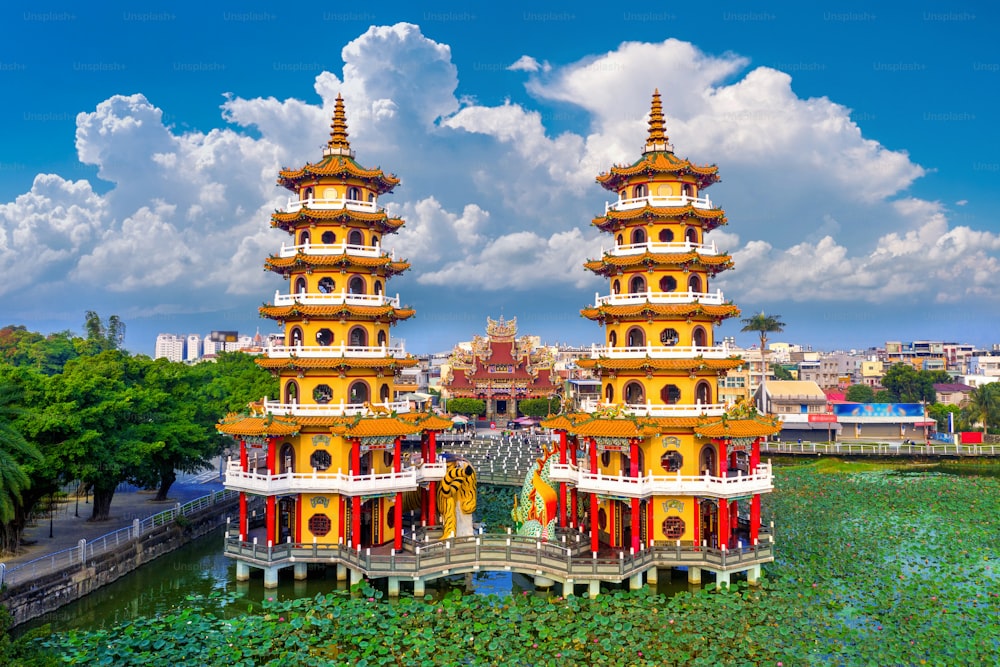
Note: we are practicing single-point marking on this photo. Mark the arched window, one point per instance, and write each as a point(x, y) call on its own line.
point(670, 394)
point(634, 393)
point(371, 197)
point(666, 236)
point(324, 337)
point(612, 339)
point(640, 191)
point(329, 238)
point(636, 337)
point(687, 190)
point(668, 284)
point(295, 337)
point(703, 393)
point(356, 285)
point(382, 339)
point(307, 193)
point(356, 237)
point(699, 337)
point(383, 393)
point(291, 392)
point(374, 239)
point(609, 393)
point(300, 285)
point(326, 284)
point(354, 193)
point(637, 285)
point(286, 458)
point(694, 284)
point(619, 240)
point(638, 236)
point(706, 461)
point(304, 238)
point(691, 235)
point(357, 337)
point(358, 392)
point(616, 286)
point(378, 286)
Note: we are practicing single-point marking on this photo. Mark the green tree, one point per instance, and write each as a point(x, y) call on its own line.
point(939, 412)
point(16, 454)
point(763, 324)
point(539, 407)
point(982, 406)
point(860, 393)
point(908, 385)
point(781, 373)
point(883, 396)
point(233, 381)
point(467, 406)
point(101, 335)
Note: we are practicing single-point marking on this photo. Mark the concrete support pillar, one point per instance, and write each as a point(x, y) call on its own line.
point(394, 587)
point(300, 571)
point(418, 587)
point(594, 589)
point(722, 579)
point(341, 572)
point(694, 575)
point(567, 588)
point(651, 576)
point(242, 571)
point(271, 576)
point(753, 575)
point(544, 583)
point(635, 581)
point(356, 576)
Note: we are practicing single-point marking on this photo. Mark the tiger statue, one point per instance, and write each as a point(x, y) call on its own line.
point(534, 512)
point(456, 499)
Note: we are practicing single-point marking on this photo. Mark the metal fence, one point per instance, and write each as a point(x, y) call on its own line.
point(84, 551)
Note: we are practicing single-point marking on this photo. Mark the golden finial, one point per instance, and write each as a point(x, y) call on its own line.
point(657, 140)
point(338, 144)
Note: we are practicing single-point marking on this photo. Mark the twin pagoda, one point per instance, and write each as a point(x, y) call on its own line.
point(655, 474)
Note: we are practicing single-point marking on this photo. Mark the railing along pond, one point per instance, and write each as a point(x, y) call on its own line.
point(878, 449)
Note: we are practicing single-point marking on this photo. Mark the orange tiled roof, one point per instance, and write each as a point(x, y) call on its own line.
point(661, 309)
point(337, 166)
point(427, 422)
point(714, 216)
point(748, 427)
point(692, 363)
point(334, 363)
point(369, 427)
point(256, 425)
point(660, 162)
point(595, 426)
point(340, 310)
point(611, 263)
point(288, 220)
point(300, 261)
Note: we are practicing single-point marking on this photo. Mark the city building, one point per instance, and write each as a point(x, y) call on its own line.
point(667, 466)
point(170, 346)
point(325, 458)
point(803, 408)
point(501, 369)
point(923, 355)
point(193, 351)
point(952, 393)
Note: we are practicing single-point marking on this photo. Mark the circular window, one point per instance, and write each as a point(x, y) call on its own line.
point(666, 236)
point(668, 284)
point(670, 394)
point(673, 527)
point(672, 461)
point(320, 460)
point(319, 525)
point(326, 285)
point(329, 238)
point(324, 337)
point(669, 337)
point(323, 394)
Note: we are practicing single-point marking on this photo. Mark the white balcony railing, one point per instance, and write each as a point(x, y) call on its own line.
point(760, 481)
point(335, 299)
point(662, 248)
point(294, 205)
point(322, 482)
point(662, 352)
point(654, 410)
point(333, 409)
point(640, 202)
point(334, 351)
point(632, 298)
point(322, 249)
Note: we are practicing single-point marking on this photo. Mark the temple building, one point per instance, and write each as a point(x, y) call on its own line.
point(501, 370)
point(662, 461)
point(324, 460)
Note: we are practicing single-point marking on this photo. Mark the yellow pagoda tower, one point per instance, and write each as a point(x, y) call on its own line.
point(325, 456)
point(665, 465)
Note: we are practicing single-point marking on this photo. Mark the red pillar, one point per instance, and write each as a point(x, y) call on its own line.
point(754, 455)
point(397, 523)
point(272, 456)
point(649, 523)
point(298, 518)
point(432, 487)
point(243, 455)
point(355, 538)
point(734, 516)
point(243, 516)
point(634, 473)
point(593, 523)
point(754, 518)
point(723, 512)
point(342, 511)
point(562, 485)
point(269, 518)
point(723, 458)
point(696, 524)
point(574, 508)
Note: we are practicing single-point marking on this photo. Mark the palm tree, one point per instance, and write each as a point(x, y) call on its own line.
point(982, 406)
point(763, 324)
point(15, 451)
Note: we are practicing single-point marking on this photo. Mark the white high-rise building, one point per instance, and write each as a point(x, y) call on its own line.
point(193, 347)
point(170, 346)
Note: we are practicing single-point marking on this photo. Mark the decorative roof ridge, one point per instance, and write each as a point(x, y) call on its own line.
point(338, 144)
point(657, 141)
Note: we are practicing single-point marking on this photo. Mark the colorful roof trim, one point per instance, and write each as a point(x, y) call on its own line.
point(334, 363)
point(664, 162)
point(610, 264)
point(242, 424)
point(655, 309)
point(646, 363)
point(345, 261)
point(369, 427)
point(307, 216)
point(340, 310)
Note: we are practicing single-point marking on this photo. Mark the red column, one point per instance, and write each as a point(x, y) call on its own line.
point(649, 522)
point(243, 516)
point(723, 512)
point(355, 521)
point(432, 487)
point(634, 472)
point(734, 516)
point(593, 523)
point(754, 518)
point(243, 455)
point(754, 455)
point(723, 458)
point(398, 522)
point(342, 511)
point(432, 447)
point(696, 524)
point(272, 456)
point(397, 455)
point(298, 519)
point(574, 509)
point(355, 456)
point(269, 517)
point(562, 485)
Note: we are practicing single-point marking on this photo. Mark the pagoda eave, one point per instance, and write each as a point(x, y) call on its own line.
point(647, 310)
point(236, 424)
point(388, 266)
point(647, 364)
point(303, 312)
point(712, 216)
point(610, 264)
point(659, 162)
point(289, 220)
point(335, 364)
point(337, 166)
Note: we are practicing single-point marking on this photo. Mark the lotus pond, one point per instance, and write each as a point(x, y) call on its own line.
point(875, 567)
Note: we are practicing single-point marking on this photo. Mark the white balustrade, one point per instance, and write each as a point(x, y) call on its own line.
point(334, 351)
point(333, 409)
point(633, 298)
point(335, 299)
point(322, 249)
point(761, 481)
point(662, 352)
point(662, 248)
point(294, 205)
point(654, 410)
point(641, 202)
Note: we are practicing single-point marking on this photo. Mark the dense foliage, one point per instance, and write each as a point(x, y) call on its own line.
point(539, 407)
point(472, 407)
point(874, 567)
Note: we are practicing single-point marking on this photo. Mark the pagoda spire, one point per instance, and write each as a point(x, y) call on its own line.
point(338, 144)
point(657, 140)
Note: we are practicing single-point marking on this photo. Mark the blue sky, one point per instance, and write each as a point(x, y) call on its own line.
point(857, 147)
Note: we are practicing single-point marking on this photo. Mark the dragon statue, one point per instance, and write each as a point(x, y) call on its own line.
point(534, 512)
point(456, 499)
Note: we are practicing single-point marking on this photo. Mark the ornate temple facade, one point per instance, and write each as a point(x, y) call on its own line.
point(662, 461)
point(501, 370)
point(324, 459)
